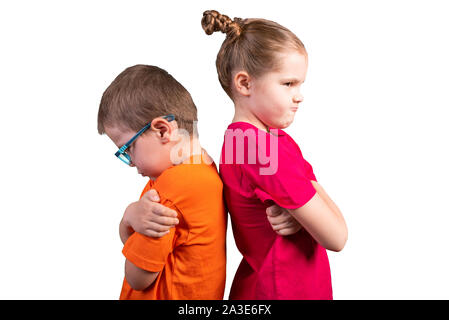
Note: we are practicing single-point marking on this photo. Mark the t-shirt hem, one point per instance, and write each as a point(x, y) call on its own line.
point(297, 206)
point(144, 264)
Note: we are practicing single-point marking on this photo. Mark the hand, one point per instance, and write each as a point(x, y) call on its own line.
point(149, 217)
point(282, 221)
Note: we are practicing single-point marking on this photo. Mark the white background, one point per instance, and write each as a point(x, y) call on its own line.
point(373, 125)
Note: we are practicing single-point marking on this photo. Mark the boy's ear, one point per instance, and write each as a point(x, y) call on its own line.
point(242, 83)
point(164, 129)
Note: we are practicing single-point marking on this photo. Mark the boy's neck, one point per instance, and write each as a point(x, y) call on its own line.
point(181, 152)
point(191, 147)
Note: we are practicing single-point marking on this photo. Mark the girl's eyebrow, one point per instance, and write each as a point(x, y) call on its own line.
point(293, 79)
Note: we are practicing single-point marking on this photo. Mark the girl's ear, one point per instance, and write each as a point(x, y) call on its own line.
point(163, 129)
point(242, 83)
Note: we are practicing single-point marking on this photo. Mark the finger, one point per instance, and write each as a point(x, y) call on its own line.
point(281, 226)
point(165, 221)
point(281, 218)
point(153, 195)
point(273, 211)
point(156, 227)
point(288, 231)
point(154, 234)
point(274, 220)
point(285, 217)
point(162, 210)
point(293, 224)
point(285, 232)
point(288, 223)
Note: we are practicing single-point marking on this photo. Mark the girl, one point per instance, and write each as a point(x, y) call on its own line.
point(261, 66)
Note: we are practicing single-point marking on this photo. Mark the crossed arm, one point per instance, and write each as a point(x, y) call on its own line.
point(320, 217)
point(156, 220)
point(323, 220)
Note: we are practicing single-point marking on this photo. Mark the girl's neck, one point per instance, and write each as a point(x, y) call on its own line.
point(244, 115)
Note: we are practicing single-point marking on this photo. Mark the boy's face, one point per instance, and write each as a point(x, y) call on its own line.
point(275, 96)
point(150, 152)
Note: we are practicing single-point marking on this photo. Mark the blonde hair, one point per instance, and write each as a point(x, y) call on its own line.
point(251, 45)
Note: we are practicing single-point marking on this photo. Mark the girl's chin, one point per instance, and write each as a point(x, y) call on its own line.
point(287, 123)
point(282, 126)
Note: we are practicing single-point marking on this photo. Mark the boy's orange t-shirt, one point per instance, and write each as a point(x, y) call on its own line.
point(191, 258)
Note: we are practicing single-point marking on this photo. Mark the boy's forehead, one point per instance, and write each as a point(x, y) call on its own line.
point(118, 135)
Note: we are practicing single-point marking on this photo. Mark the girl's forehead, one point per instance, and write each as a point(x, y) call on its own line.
point(291, 65)
point(292, 59)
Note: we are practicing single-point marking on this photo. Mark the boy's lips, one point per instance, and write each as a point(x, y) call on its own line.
point(295, 109)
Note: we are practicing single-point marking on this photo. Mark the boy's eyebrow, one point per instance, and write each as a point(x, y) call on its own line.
point(121, 144)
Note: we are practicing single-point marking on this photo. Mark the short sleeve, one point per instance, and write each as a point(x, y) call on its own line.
point(309, 171)
point(148, 253)
point(288, 184)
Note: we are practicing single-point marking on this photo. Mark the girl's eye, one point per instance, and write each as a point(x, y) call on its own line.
point(288, 84)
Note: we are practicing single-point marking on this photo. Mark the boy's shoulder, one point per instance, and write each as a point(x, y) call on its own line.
point(189, 180)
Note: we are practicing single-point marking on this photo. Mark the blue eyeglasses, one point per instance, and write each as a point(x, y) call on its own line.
point(121, 153)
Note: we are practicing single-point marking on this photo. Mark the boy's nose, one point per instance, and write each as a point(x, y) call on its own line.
point(131, 164)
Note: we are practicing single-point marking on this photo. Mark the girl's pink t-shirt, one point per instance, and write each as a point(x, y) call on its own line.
point(260, 169)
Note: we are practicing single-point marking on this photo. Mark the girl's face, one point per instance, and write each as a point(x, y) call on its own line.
point(275, 96)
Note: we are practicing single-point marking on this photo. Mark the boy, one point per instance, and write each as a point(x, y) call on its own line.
point(144, 111)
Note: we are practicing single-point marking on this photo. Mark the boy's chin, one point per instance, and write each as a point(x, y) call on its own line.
point(151, 177)
point(147, 176)
point(143, 174)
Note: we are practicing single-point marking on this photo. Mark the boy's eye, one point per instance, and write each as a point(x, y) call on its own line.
point(288, 84)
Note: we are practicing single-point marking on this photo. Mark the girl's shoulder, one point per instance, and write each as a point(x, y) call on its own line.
point(245, 138)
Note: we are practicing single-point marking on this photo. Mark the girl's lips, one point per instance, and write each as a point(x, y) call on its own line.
point(295, 109)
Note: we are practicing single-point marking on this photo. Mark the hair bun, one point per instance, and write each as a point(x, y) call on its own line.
point(213, 21)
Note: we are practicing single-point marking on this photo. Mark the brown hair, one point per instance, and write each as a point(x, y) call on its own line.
point(251, 45)
point(141, 93)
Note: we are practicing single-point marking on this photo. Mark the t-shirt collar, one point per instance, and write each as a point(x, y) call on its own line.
point(247, 124)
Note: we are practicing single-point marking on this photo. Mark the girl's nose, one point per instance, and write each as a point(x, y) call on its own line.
point(298, 98)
